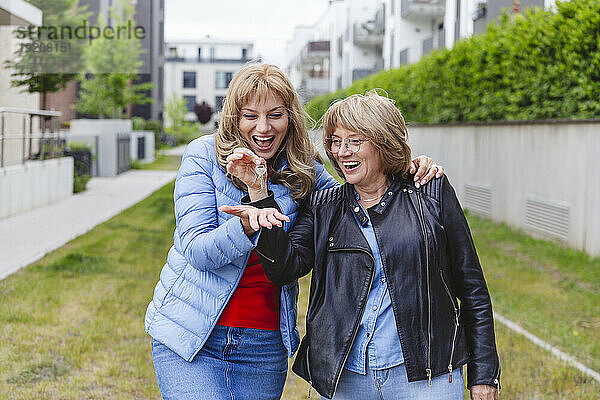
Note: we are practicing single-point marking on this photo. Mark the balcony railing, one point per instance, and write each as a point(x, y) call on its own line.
point(419, 9)
point(26, 144)
point(202, 60)
point(318, 74)
point(314, 52)
point(370, 32)
point(367, 36)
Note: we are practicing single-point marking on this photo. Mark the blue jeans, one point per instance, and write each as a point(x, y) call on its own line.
point(234, 364)
point(392, 384)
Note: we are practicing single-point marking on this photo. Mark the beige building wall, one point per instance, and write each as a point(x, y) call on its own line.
point(540, 177)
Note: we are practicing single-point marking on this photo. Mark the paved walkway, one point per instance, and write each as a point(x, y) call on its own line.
point(27, 237)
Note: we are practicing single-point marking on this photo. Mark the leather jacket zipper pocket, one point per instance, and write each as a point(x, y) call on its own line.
point(455, 308)
point(265, 257)
point(308, 369)
point(362, 310)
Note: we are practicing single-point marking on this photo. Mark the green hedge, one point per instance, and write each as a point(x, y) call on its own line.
point(538, 65)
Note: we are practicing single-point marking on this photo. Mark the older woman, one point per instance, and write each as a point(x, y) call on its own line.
point(220, 329)
point(389, 263)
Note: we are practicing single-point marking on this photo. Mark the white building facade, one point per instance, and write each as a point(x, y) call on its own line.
point(25, 183)
point(344, 44)
point(202, 70)
point(365, 37)
point(15, 13)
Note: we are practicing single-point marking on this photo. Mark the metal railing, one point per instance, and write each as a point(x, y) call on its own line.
point(46, 141)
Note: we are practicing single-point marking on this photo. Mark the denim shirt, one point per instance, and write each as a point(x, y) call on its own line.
point(377, 337)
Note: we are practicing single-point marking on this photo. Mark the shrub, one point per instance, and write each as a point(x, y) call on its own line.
point(203, 112)
point(82, 160)
point(185, 133)
point(80, 182)
point(538, 65)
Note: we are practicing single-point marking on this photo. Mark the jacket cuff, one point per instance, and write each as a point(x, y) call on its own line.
point(239, 240)
point(267, 202)
point(485, 379)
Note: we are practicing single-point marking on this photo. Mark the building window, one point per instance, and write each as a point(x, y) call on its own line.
point(219, 100)
point(392, 45)
point(190, 102)
point(199, 53)
point(161, 38)
point(189, 80)
point(161, 80)
point(222, 79)
point(404, 57)
point(427, 45)
point(244, 54)
point(212, 54)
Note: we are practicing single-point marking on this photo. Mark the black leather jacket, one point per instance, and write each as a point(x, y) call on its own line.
point(429, 261)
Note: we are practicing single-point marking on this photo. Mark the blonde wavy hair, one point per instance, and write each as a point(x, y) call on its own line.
point(258, 80)
point(379, 121)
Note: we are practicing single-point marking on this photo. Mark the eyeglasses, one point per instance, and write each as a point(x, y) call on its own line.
point(351, 144)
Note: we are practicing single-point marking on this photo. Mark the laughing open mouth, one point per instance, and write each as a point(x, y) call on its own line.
point(263, 141)
point(350, 165)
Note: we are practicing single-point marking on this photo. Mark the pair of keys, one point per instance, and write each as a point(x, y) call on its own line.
point(259, 172)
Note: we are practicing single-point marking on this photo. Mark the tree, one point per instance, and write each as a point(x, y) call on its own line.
point(203, 112)
point(49, 71)
point(111, 65)
point(176, 109)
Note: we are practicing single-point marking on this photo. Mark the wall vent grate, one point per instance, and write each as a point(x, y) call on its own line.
point(550, 218)
point(478, 199)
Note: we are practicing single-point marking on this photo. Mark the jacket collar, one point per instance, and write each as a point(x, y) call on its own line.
point(349, 195)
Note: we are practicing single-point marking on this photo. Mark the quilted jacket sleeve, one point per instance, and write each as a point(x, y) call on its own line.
point(206, 242)
point(476, 305)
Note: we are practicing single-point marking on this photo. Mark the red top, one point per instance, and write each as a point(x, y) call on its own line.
point(255, 301)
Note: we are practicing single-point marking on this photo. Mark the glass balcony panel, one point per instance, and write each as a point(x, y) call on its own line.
point(420, 9)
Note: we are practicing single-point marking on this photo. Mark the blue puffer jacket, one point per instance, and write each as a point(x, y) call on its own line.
point(209, 254)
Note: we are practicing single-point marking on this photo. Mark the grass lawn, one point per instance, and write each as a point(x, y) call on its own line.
point(162, 162)
point(71, 324)
point(550, 290)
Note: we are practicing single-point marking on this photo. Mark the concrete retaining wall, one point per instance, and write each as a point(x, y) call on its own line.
point(541, 177)
point(107, 131)
point(34, 184)
point(148, 146)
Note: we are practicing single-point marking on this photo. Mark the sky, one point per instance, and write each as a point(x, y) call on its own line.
point(269, 23)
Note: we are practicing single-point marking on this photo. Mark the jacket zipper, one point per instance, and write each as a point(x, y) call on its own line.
point(455, 327)
point(269, 259)
point(362, 310)
point(308, 369)
point(428, 369)
point(497, 379)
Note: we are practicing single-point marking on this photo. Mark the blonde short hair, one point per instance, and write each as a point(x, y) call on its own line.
point(379, 121)
point(259, 80)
